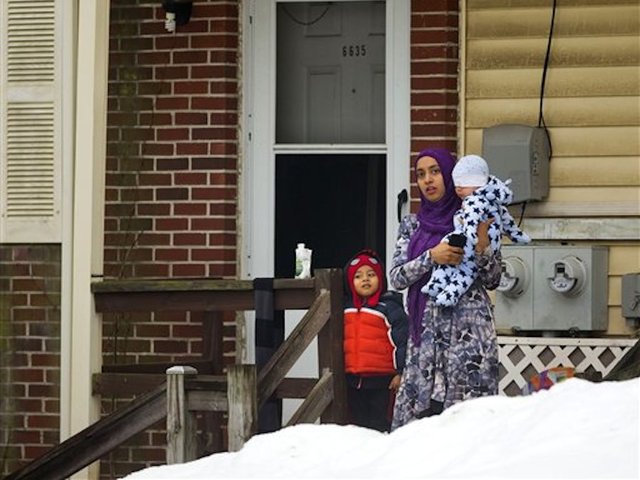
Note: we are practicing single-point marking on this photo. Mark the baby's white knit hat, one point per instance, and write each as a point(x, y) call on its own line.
point(470, 171)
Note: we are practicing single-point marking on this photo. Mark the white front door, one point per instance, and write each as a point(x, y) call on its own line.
point(325, 131)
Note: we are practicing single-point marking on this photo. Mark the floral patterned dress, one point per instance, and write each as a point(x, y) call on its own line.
point(457, 357)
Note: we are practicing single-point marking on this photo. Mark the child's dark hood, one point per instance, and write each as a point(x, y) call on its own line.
point(364, 257)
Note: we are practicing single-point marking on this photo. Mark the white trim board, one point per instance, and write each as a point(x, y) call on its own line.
point(582, 228)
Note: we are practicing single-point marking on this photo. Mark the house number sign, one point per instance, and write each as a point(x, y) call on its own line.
point(354, 50)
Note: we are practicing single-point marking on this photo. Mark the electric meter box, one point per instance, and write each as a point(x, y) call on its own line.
point(630, 295)
point(567, 289)
point(521, 153)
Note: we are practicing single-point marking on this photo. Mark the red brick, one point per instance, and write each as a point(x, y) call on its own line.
point(172, 254)
point(214, 71)
point(212, 254)
point(25, 436)
point(28, 315)
point(169, 346)
point(434, 114)
point(223, 149)
point(169, 43)
point(28, 375)
point(149, 179)
point(222, 209)
point(43, 421)
point(172, 164)
point(434, 36)
point(189, 239)
point(224, 133)
point(440, 82)
point(154, 209)
point(190, 178)
point(27, 285)
point(188, 270)
point(154, 270)
point(172, 103)
point(166, 149)
point(31, 451)
point(172, 72)
point(434, 67)
point(153, 58)
point(191, 87)
point(227, 87)
point(191, 148)
point(171, 134)
point(190, 209)
point(148, 238)
point(213, 224)
point(187, 331)
point(191, 118)
point(223, 271)
point(155, 119)
point(152, 330)
point(219, 239)
point(52, 406)
point(213, 103)
point(172, 193)
point(434, 20)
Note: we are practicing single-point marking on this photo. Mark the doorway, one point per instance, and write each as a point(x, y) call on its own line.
point(322, 163)
point(332, 203)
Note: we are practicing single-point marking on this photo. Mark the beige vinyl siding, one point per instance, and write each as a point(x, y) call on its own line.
point(591, 108)
point(30, 121)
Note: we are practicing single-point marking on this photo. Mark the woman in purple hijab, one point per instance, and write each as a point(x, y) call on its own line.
point(452, 354)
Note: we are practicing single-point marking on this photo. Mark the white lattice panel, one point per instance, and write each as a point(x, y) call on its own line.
point(522, 357)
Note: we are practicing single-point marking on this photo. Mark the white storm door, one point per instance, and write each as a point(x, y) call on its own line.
point(260, 145)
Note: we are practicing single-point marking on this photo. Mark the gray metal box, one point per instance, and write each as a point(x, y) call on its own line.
point(521, 153)
point(514, 298)
point(630, 295)
point(567, 288)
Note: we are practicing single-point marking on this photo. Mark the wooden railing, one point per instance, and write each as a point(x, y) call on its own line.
point(183, 391)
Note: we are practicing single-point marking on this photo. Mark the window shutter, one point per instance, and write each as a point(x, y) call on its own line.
point(30, 116)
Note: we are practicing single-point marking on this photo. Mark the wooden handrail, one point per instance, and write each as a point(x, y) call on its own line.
point(97, 440)
point(321, 295)
point(298, 340)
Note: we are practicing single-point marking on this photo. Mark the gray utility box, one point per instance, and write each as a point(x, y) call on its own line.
point(630, 295)
point(553, 288)
point(521, 153)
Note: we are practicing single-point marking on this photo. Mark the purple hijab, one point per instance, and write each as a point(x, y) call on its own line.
point(435, 221)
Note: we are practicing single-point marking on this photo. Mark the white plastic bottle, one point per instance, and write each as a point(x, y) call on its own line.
point(303, 261)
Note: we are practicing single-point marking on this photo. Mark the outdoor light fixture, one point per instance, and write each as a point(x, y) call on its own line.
point(178, 12)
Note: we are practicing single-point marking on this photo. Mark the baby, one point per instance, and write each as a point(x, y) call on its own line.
point(484, 197)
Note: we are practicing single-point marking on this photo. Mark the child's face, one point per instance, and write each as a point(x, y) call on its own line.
point(464, 192)
point(365, 281)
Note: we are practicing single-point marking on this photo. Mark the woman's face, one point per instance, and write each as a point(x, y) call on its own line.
point(429, 179)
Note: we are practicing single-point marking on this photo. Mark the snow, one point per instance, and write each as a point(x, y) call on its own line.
point(577, 429)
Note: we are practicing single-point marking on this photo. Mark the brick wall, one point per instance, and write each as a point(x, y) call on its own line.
point(29, 353)
point(434, 77)
point(171, 181)
point(172, 168)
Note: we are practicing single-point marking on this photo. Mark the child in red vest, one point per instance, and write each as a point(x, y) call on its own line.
point(375, 342)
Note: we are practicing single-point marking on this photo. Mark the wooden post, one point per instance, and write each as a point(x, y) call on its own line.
point(330, 348)
point(243, 405)
point(181, 423)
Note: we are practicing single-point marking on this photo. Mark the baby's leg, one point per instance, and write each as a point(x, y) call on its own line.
point(458, 282)
point(437, 281)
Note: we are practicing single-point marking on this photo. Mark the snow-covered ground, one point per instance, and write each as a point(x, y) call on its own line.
point(577, 429)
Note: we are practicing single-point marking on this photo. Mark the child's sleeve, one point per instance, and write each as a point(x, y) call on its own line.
point(397, 318)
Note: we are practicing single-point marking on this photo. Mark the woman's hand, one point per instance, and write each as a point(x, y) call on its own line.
point(445, 254)
point(483, 236)
point(395, 383)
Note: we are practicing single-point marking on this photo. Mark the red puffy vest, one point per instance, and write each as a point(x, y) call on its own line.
point(368, 348)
